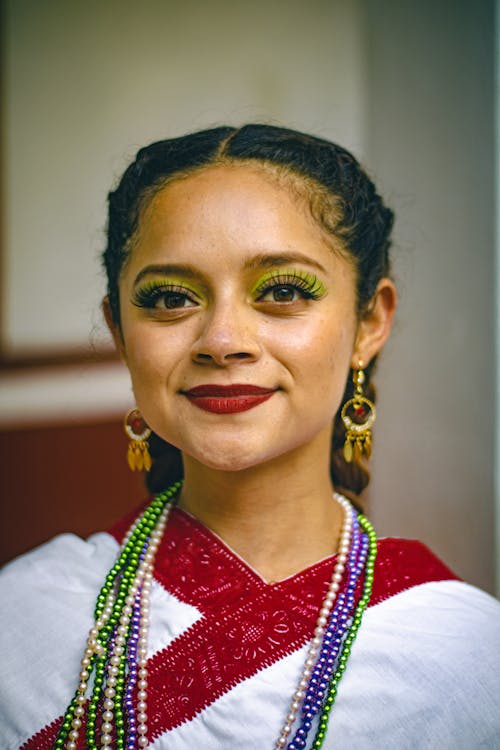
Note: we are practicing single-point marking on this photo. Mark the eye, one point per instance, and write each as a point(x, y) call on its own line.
point(173, 300)
point(282, 293)
point(287, 288)
point(161, 296)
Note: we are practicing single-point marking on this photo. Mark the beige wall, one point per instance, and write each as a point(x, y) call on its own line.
point(497, 293)
point(431, 144)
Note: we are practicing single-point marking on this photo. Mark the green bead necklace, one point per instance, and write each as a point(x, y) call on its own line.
point(116, 645)
point(351, 636)
point(127, 584)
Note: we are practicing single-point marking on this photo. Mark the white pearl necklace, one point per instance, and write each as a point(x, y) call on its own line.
point(142, 582)
point(319, 631)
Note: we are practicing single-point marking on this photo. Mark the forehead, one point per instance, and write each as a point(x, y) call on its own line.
point(234, 197)
point(235, 191)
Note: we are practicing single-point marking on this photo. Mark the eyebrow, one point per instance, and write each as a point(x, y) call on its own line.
point(263, 260)
point(269, 260)
point(189, 272)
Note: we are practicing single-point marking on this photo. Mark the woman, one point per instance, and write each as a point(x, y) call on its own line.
point(249, 295)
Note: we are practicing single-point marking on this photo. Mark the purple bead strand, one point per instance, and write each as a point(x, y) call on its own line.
point(343, 605)
point(340, 623)
point(316, 693)
point(335, 633)
point(132, 674)
point(133, 641)
point(326, 657)
point(342, 613)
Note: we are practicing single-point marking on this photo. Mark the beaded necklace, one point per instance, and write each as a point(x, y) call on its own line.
point(116, 648)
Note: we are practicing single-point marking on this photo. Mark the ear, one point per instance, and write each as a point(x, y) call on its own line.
point(375, 325)
point(113, 328)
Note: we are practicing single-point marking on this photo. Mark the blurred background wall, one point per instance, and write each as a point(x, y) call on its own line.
point(408, 87)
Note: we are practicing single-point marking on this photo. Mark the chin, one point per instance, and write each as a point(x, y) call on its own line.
point(229, 456)
point(227, 462)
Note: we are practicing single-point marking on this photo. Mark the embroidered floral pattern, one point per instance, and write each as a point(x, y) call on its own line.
point(247, 624)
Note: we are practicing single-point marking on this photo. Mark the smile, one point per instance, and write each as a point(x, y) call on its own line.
point(228, 399)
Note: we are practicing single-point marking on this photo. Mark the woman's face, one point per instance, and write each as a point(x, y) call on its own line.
point(238, 320)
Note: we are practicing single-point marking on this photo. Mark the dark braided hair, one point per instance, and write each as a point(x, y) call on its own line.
point(341, 197)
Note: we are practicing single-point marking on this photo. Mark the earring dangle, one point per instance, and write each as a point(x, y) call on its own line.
point(358, 416)
point(138, 457)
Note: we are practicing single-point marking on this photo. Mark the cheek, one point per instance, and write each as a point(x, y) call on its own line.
point(330, 345)
point(320, 357)
point(150, 354)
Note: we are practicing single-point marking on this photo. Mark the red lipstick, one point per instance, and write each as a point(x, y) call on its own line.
point(228, 399)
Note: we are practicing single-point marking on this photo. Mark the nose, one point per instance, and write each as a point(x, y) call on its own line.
point(227, 336)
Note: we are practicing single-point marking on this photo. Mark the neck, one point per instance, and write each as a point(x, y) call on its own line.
point(280, 516)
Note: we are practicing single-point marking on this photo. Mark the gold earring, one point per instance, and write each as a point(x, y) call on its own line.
point(138, 457)
point(358, 416)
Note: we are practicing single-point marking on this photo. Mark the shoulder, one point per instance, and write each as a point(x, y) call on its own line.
point(48, 597)
point(426, 663)
point(420, 603)
point(67, 544)
point(65, 564)
point(434, 617)
point(412, 581)
point(402, 564)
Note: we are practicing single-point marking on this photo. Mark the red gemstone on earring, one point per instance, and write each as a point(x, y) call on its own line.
point(137, 425)
point(360, 411)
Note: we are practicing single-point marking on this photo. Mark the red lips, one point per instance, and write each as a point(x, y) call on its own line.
point(228, 399)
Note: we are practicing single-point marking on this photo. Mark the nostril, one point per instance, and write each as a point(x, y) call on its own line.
point(205, 357)
point(239, 355)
